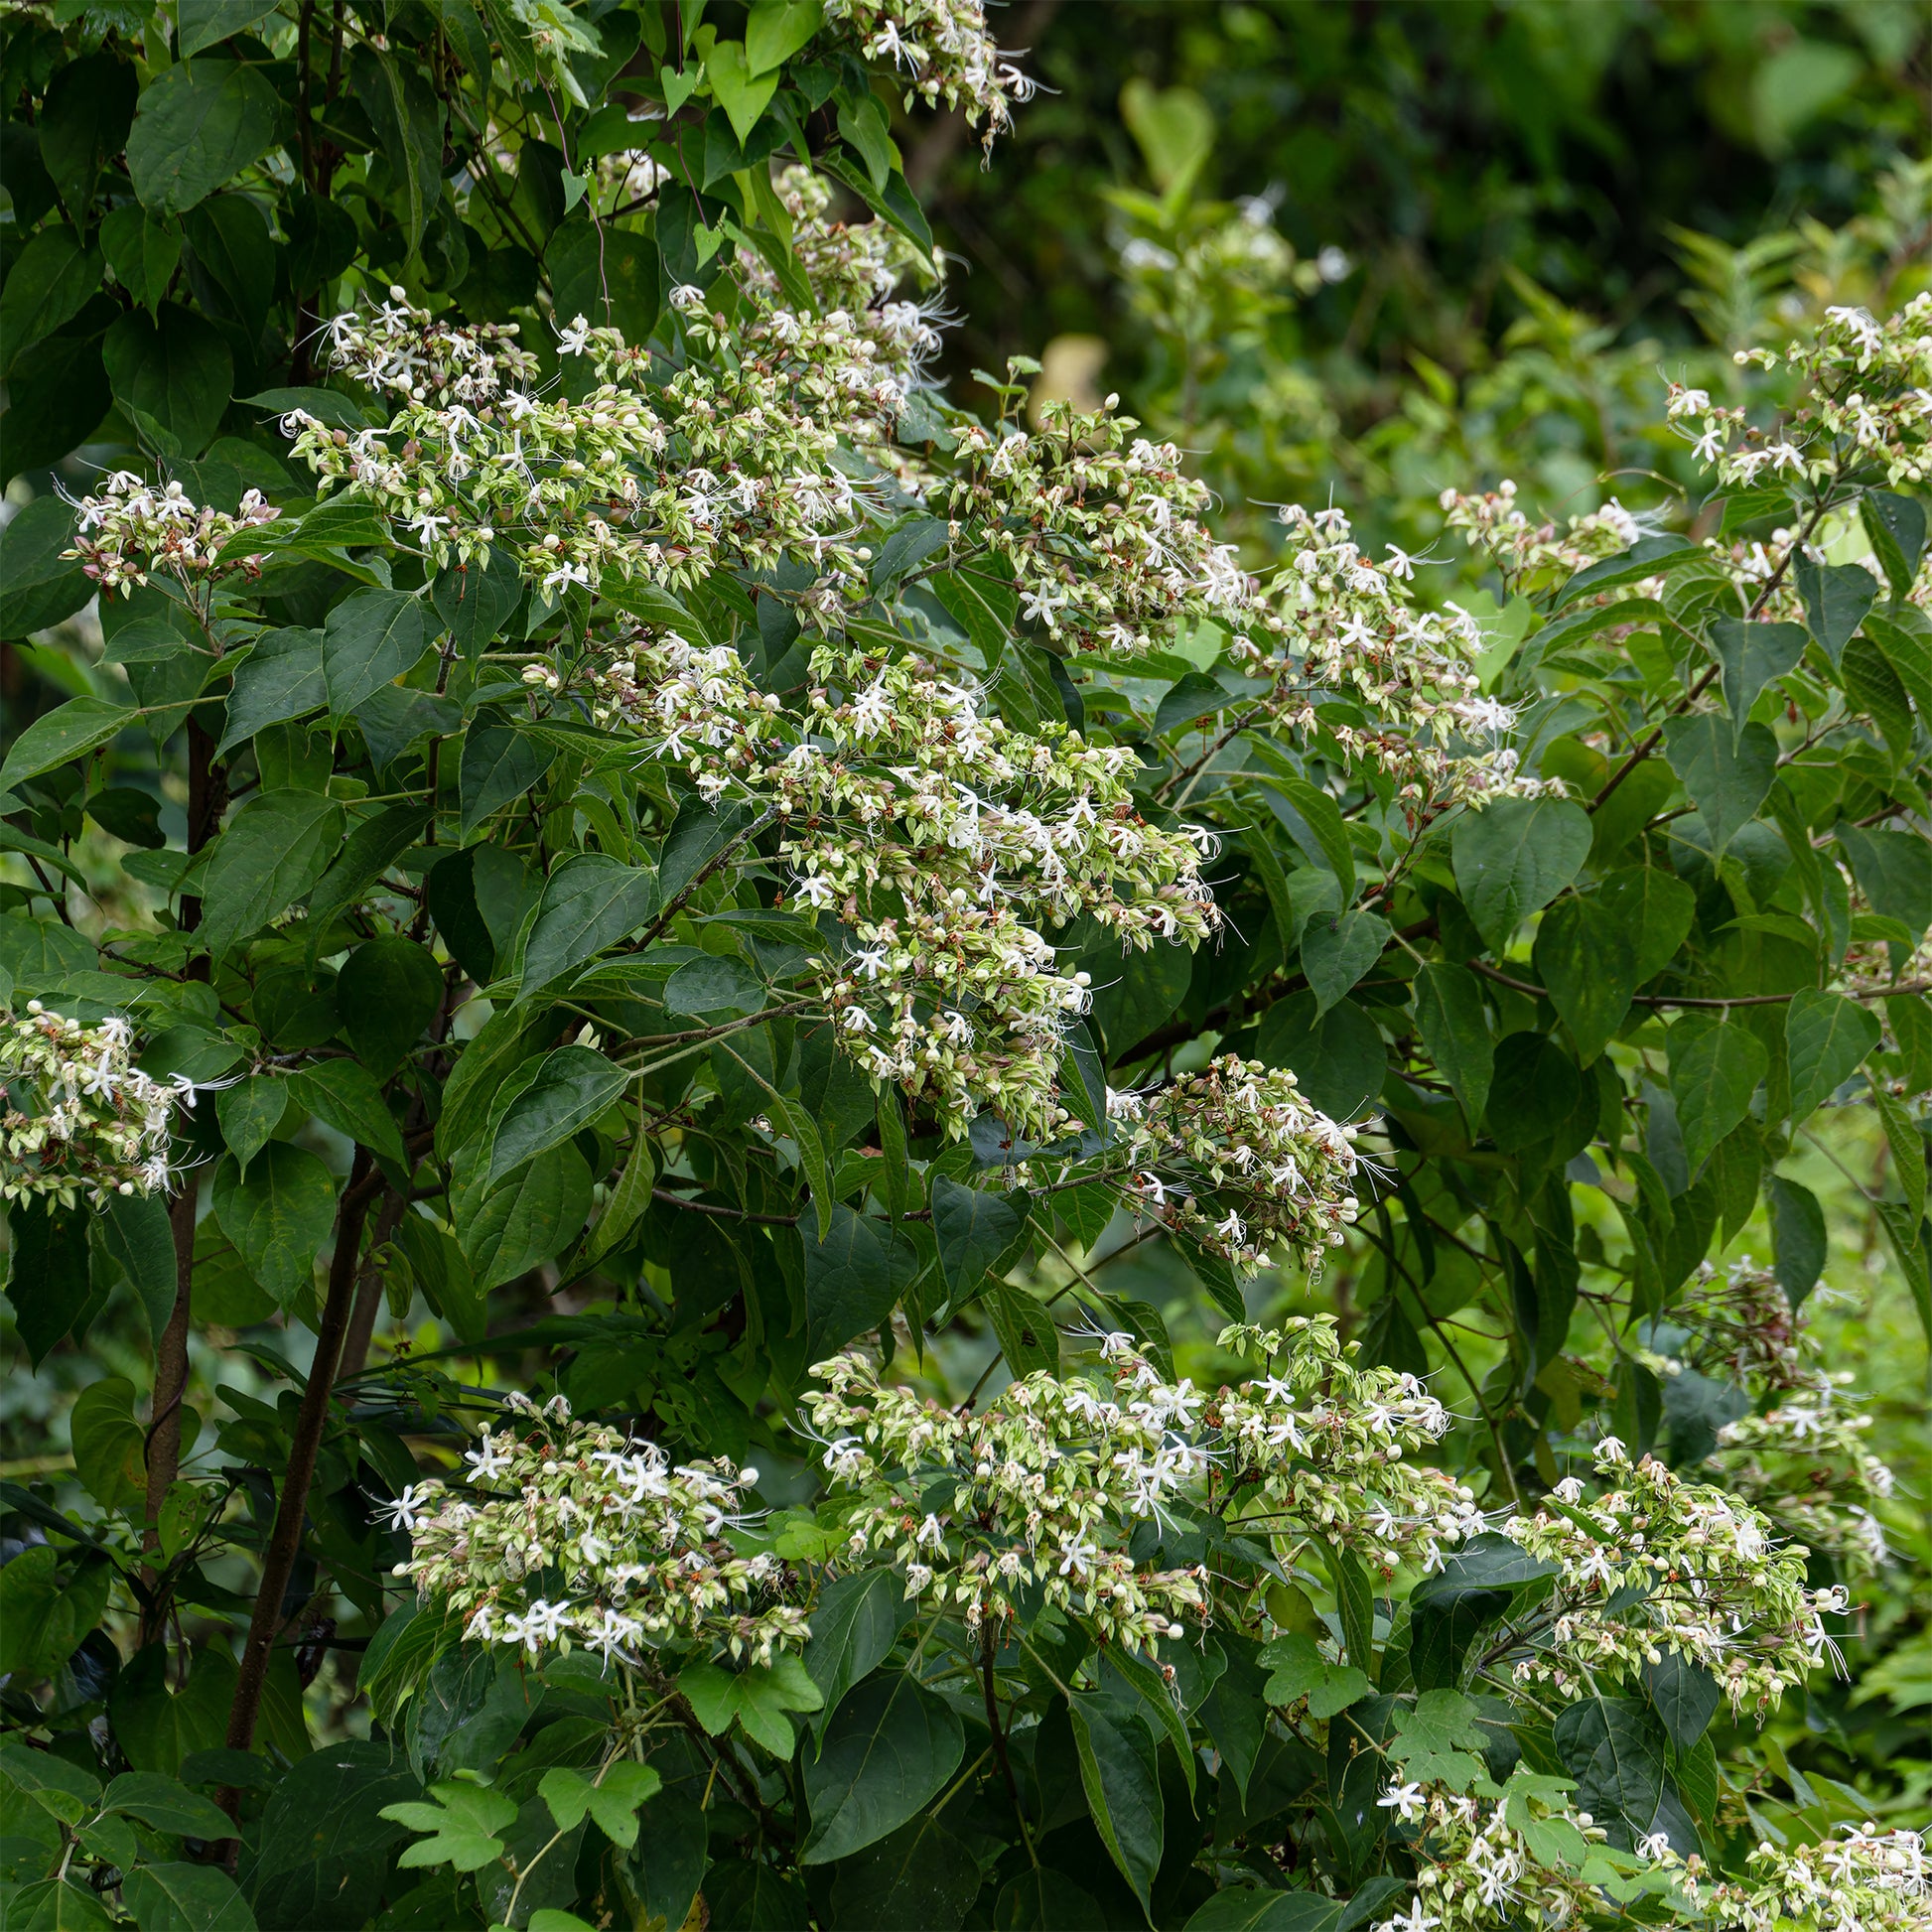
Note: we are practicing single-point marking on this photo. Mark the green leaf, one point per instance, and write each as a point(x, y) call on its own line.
point(1751, 655)
point(855, 1622)
point(1714, 1071)
point(1456, 1031)
point(168, 1805)
point(1684, 1696)
point(589, 903)
point(407, 119)
point(1895, 871)
point(345, 1095)
point(136, 1232)
point(38, 586)
point(368, 640)
point(1314, 823)
point(1297, 1669)
point(714, 987)
point(274, 850)
point(70, 731)
point(176, 368)
point(1837, 597)
point(1028, 1340)
point(1476, 1584)
point(1873, 687)
point(370, 849)
point(462, 1821)
point(1236, 1911)
point(280, 678)
point(890, 1748)
point(58, 394)
point(1906, 1232)
point(921, 1874)
point(743, 96)
point(109, 1445)
point(977, 1229)
point(207, 22)
point(186, 1899)
point(613, 1800)
point(1648, 557)
point(250, 1113)
point(47, 1605)
point(1336, 952)
point(629, 1201)
point(1657, 908)
point(1122, 1781)
point(852, 1279)
point(572, 1088)
point(1895, 526)
point(1728, 776)
point(1614, 1749)
point(1798, 1239)
point(527, 1218)
point(49, 280)
point(758, 1698)
point(1585, 955)
point(278, 1217)
point(1339, 1058)
point(500, 765)
point(388, 992)
point(778, 29)
point(1827, 1038)
point(475, 600)
point(1906, 1143)
point(83, 125)
point(1514, 856)
point(322, 1853)
point(56, 1906)
point(48, 1277)
point(229, 236)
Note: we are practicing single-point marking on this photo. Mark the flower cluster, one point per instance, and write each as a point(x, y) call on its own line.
point(1866, 398)
point(131, 528)
point(1520, 549)
point(1659, 1565)
point(578, 1535)
point(1494, 1857)
point(1247, 1142)
point(1347, 626)
point(1100, 531)
point(1801, 1455)
point(942, 50)
point(1043, 1490)
point(1865, 1880)
point(76, 1118)
point(943, 840)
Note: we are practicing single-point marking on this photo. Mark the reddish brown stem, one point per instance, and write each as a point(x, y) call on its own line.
point(285, 1543)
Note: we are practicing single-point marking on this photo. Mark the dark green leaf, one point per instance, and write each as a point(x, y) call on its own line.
point(58, 393)
point(1896, 528)
point(1895, 871)
point(370, 850)
point(1827, 1038)
point(1514, 856)
point(407, 119)
point(1339, 1058)
point(1684, 1696)
point(1456, 1031)
point(278, 1217)
point(280, 678)
point(83, 124)
point(1837, 597)
point(855, 1623)
point(1314, 823)
point(1751, 655)
point(274, 850)
point(1587, 956)
point(525, 1219)
point(589, 903)
point(1714, 1071)
point(168, 1805)
point(1336, 952)
point(572, 1088)
point(135, 1230)
point(1657, 908)
point(976, 1228)
point(473, 601)
point(890, 1748)
point(1727, 775)
point(1614, 1749)
point(920, 1875)
point(388, 991)
point(499, 764)
point(1798, 1238)
point(716, 987)
point(1650, 556)
point(207, 22)
point(38, 586)
point(345, 1095)
point(1122, 1781)
point(368, 640)
point(176, 368)
point(47, 1277)
point(230, 240)
point(51, 277)
point(852, 1279)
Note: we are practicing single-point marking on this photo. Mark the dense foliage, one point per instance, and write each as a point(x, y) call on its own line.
point(630, 887)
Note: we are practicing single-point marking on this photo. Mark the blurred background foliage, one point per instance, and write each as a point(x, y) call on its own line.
point(1362, 251)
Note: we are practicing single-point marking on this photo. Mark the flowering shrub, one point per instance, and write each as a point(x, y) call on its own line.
point(701, 874)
